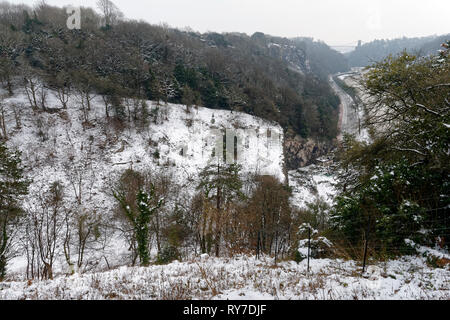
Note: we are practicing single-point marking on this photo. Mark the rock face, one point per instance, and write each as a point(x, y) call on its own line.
point(300, 152)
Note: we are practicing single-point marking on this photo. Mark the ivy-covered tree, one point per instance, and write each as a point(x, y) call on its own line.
point(138, 213)
point(13, 186)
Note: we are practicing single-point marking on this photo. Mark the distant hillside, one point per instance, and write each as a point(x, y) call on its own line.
point(322, 59)
point(379, 49)
point(273, 78)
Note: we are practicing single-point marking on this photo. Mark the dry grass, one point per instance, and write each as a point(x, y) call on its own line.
point(212, 278)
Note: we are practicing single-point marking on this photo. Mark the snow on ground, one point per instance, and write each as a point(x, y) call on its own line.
point(183, 140)
point(61, 146)
point(181, 143)
point(438, 252)
point(244, 278)
point(310, 184)
point(317, 181)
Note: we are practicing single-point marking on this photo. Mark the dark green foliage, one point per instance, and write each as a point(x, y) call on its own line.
point(317, 214)
point(221, 182)
point(186, 76)
point(221, 186)
point(298, 257)
point(226, 71)
point(13, 185)
point(397, 186)
point(142, 221)
point(395, 200)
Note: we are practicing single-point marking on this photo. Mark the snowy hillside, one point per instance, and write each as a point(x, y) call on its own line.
point(184, 140)
point(312, 183)
point(88, 157)
point(243, 278)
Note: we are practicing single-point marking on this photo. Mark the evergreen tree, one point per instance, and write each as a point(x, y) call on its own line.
point(13, 186)
point(396, 187)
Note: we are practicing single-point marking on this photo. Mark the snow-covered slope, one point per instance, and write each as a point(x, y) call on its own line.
point(90, 156)
point(58, 146)
point(184, 140)
point(243, 278)
point(312, 183)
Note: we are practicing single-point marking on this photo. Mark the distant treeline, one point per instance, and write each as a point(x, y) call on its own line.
point(273, 78)
point(377, 50)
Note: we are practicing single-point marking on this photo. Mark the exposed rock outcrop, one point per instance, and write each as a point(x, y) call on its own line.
point(300, 152)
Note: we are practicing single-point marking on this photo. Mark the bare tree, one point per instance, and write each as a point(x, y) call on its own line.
point(111, 13)
point(67, 239)
point(28, 244)
point(2, 120)
point(63, 89)
point(84, 86)
point(17, 111)
point(83, 232)
point(31, 84)
point(42, 97)
point(82, 222)
point(44, 226)
point(79, 171)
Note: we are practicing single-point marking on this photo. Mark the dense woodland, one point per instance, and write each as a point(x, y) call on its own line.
point(273, 78)
point(397, 186)
point(122, 61)
point(391, 189)
point(376, 50)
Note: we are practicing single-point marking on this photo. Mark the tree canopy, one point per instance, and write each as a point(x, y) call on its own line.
point(397, 185)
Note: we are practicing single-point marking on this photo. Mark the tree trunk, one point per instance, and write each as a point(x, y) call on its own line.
point(3, 124)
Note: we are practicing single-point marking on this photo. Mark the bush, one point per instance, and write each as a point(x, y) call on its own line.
point(168, 254)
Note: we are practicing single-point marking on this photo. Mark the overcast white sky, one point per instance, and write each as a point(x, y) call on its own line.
point(338, 22)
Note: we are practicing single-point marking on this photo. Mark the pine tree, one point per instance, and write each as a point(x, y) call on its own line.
point(13, 185)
